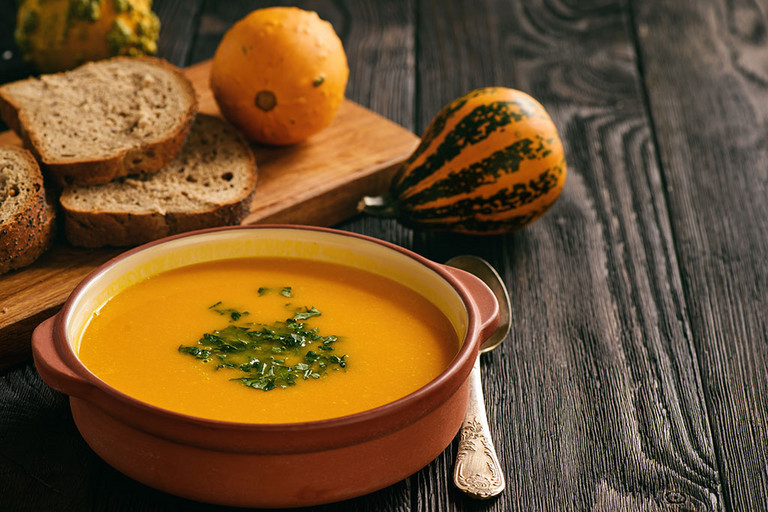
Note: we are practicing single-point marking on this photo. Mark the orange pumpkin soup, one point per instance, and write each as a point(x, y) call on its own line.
point(267, 340)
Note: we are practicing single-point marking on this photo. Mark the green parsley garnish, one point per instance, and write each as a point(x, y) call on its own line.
point(270, 356)
point(307, 313)
point(285, 291)
point(233, 314)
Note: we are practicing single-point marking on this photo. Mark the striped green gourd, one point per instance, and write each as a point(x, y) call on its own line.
point(490, 162)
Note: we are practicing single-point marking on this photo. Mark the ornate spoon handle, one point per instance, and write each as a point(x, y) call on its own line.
point(477, 471)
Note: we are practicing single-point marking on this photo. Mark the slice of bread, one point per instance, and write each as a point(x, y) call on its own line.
point(103, 120)
point(210, 183)
point(26, 218)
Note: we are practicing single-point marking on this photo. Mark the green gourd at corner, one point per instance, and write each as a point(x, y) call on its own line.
point(57, 35)
point(490, 162)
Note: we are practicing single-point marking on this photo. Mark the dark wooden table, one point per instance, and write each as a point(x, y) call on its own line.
point(636, 374)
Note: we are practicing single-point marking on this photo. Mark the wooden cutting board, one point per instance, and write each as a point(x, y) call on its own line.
point(317, 182)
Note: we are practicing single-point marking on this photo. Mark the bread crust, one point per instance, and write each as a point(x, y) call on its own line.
point(31, 229)
point(148, 157)
point(118, 229)
point(35, 244)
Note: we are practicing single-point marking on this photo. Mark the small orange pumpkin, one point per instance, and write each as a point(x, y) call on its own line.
point(279, 75)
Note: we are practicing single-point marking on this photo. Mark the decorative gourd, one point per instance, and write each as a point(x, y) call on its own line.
point(490, 162)
point(279, 75)
point(56, 35)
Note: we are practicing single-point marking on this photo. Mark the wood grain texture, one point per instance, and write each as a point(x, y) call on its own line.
point(595, 400)
point(180, 19)
point(636, 374)
point(12, 63)
point(712, 145)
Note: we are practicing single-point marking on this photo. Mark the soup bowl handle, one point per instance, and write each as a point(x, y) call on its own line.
point(482, 298)
point(51, 366)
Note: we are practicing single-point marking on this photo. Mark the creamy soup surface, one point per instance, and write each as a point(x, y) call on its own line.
point(393, 339)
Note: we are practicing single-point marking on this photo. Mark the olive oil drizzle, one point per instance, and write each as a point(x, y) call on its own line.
point(269, 356)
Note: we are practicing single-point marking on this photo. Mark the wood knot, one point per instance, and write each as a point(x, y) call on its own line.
point(675, 497)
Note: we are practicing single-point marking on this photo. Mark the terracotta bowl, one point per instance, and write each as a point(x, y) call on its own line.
point(268, 465)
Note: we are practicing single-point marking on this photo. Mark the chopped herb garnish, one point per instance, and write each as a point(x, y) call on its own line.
point(198, 352)
point(285, 291)
point(269, 356)
point(233, 314)
point(303, 315)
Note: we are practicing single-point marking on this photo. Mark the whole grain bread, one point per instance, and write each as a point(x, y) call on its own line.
point(210, 183)
point(26, 218)
point(103, 120)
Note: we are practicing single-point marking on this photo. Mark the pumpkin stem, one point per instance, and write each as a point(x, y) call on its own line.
point(379, 206)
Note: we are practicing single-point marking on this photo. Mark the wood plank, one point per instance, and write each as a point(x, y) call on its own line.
point(710, 118)
point(318, 182)
point(12, 64)
point(180, 18)
point(595, 400)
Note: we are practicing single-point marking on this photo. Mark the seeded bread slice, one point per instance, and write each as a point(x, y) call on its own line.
point(26, 218)
point(103, 120)
point(210, 183)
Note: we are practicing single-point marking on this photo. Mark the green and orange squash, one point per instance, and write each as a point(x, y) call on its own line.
point(56, 35)
point(490, 162)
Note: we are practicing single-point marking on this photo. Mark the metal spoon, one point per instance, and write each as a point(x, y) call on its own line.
point(477, 471)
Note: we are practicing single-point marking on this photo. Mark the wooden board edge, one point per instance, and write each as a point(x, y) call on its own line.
point(374, 182)
point(16, 337)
